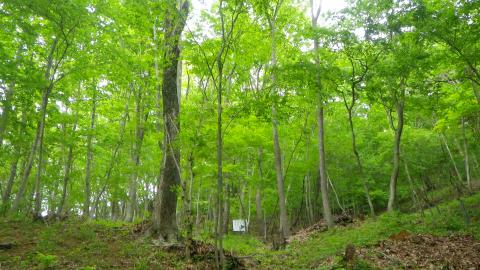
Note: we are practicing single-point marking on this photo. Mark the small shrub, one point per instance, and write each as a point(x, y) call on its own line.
point(46, 261)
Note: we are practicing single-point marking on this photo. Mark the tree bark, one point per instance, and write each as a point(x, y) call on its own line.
point(452, 159)
point(37, 211)
point(165, 225)
point(7, 107)
point(327, 214)
point(8, 189)
point(284, 226)
point(67, 169)
point(136, 152)
point(466, 157)
point(412, 186)
point(40, 126)
point(88, 169)
point(258, 195)
point(359, 162)
point(396, 157)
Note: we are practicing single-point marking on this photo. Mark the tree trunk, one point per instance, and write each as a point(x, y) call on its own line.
point(465, 154)
point(187, 204)
point(459, 176)
point(327, 214)
point(86, 203)
point(7, 102)
point(258, 195)
point(8, 189)
point(165, 225)
point(7, 107)
point(412, 187)
point(38, 184)
point(359, 162)
point(396, 157)
point(136, 152)
point(67, 169)
point(49, 73)
point(284, 226)
point(476, 90)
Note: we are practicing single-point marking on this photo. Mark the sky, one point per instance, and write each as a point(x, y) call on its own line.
point(199, 5)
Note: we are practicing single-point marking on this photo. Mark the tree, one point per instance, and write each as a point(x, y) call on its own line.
point(165, 224)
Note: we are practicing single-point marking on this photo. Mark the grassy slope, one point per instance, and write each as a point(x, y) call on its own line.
point(314, 253)
point(107, 245)
point(79, 245)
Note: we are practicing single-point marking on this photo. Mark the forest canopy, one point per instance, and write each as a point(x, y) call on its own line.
point(269, 111)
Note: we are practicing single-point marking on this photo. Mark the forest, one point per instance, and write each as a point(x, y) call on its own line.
point(240, 134)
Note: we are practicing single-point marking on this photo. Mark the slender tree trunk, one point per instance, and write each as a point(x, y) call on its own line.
point(452, 159)
point(165, 224)
point(359, 162)
point(284, 226)
point(476, 90)
point(49, 72)
point(187, 204)
point(396, 157)
point(220, 198)
point(33, 151)
point(327, 214)
point(197, 217)
point(7, 107)
point(67, 169)
point(466, 158)
point(258, 195)
point(8, 189)
point(86, 203)
point(412, 186)
point(7, 102)
point(136, 152)
point(38, 183)
point(226, 211)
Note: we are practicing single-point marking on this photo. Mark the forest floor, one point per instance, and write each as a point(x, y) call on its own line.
point(444, 237)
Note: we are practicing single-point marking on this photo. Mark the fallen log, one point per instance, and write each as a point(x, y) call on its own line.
point(4, 246)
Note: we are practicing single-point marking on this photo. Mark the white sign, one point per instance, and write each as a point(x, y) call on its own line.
point(240, 225)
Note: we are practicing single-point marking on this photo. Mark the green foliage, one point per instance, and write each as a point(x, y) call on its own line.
point(373, 59)
point(46, 261)
point(243, 244)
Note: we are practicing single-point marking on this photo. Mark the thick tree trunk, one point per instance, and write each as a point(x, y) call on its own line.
point(396, 157)
point(88, 169)
point(327, 214)
point(165, 224)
